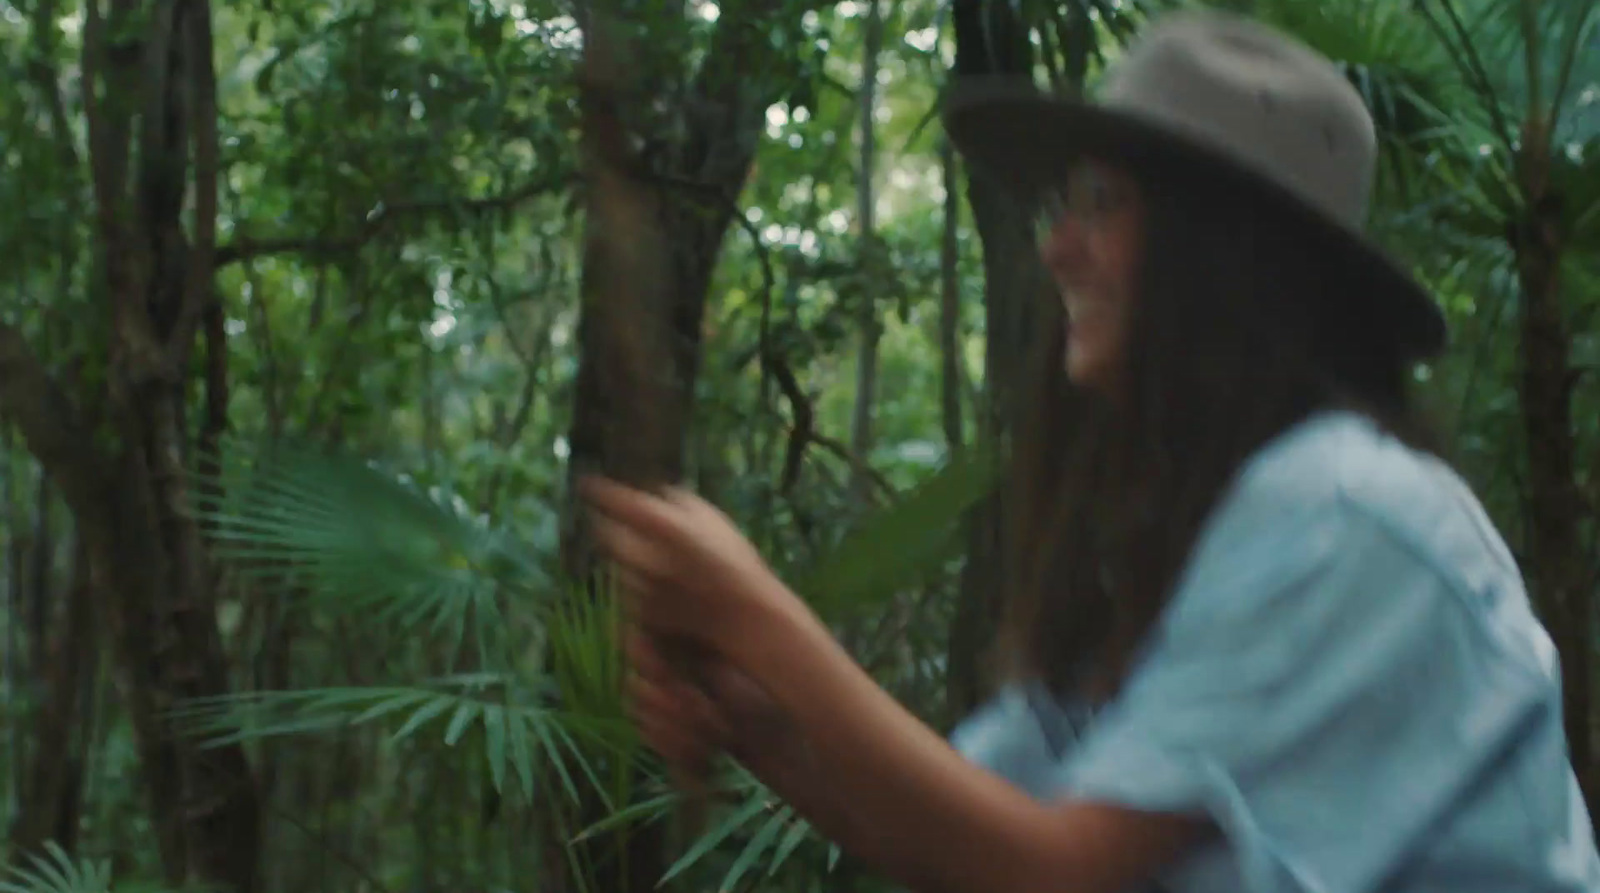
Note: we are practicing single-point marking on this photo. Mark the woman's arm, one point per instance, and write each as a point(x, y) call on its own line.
point(921, 812)
point(927, 812)
point(797, 776)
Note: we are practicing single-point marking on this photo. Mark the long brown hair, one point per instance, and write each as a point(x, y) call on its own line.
point(1239, 331)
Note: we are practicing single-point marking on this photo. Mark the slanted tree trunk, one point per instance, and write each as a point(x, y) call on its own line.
point(149, 80)
point(680, 199)
point(654, 225)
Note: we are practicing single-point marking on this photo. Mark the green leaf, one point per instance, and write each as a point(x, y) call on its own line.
point(424, 713)
point(757, 846)
point(494, 727)
point(892, 547)
point(649, 810)
point(522, 758)
point(714, 837)
point(791, 841)
point(458, 724)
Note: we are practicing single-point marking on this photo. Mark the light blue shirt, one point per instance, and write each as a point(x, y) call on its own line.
point(1348, 681)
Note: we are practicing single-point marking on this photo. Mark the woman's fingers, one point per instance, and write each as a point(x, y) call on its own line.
point(708, 718)
point(633, 586)
point(649, 571)
point(668, 688)
point(634, 552)
point(675, 748)
point(678, 718)
point(649, 515)
point(663, 609)
point(676, 722)
point(645, 658)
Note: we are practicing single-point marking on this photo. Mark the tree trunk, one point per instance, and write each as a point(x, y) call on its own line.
point(654, 228)
point(15, 583)
point(992, 40)
point(950, 378)
point(654, 231)
point(1557, 567)
point(870, 268)
point(53, 787)
point(149, 76)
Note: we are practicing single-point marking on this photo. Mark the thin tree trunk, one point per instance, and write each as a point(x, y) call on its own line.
point(991, 39)
point(15, 584)
point(871, 266)
point(53, 787)
point(1558, 565)
point(950, 305)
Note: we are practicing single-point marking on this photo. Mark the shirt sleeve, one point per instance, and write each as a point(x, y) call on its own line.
point(1320, 692)
point(1004, 736)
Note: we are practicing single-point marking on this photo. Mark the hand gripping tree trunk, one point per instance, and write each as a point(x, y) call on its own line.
point(654, 227)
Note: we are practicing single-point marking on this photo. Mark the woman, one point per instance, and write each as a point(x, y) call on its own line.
point(1265, 641)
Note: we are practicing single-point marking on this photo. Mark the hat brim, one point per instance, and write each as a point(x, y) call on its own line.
point(1026, 139)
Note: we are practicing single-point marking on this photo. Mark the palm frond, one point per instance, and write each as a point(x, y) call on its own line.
point(362, 540)
point(766, 832)
point(518, 730)
point(54, 871)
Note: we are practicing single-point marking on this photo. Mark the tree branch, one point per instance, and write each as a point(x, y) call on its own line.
point(41, 410)
point(199, 291)
point(381, 218)
point(1465, 56)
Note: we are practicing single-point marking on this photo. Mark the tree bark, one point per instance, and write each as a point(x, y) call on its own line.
point(149, 78)
point(950, 378)
point(1557, 563)
point(870, 268)
point(645, 292)
point(654, 226)
point(991, 39)
point(53, 786)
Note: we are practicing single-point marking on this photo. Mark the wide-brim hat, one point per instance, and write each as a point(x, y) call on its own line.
point(1213, 95)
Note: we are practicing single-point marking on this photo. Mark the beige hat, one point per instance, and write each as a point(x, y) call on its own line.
point(1224, 97)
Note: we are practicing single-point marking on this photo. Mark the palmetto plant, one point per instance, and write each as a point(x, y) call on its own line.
point(1506, 142)
point(530, 679)
point(53, 871)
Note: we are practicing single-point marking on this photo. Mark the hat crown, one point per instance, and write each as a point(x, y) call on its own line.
point(1257, 96)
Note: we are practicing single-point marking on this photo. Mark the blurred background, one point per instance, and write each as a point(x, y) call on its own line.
point(309, 309)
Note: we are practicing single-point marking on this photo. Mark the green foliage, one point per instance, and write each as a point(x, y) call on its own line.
point(54, 871)
point(428, 702)
point(888, 550)
point(354, 539)
point(365, 542)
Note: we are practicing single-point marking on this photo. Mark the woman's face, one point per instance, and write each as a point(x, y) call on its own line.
point(1091, 250)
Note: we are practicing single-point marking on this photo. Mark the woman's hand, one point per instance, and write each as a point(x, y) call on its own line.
point(674, 716)
point(689, 572)
point(689, 720)
point(745, 656)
